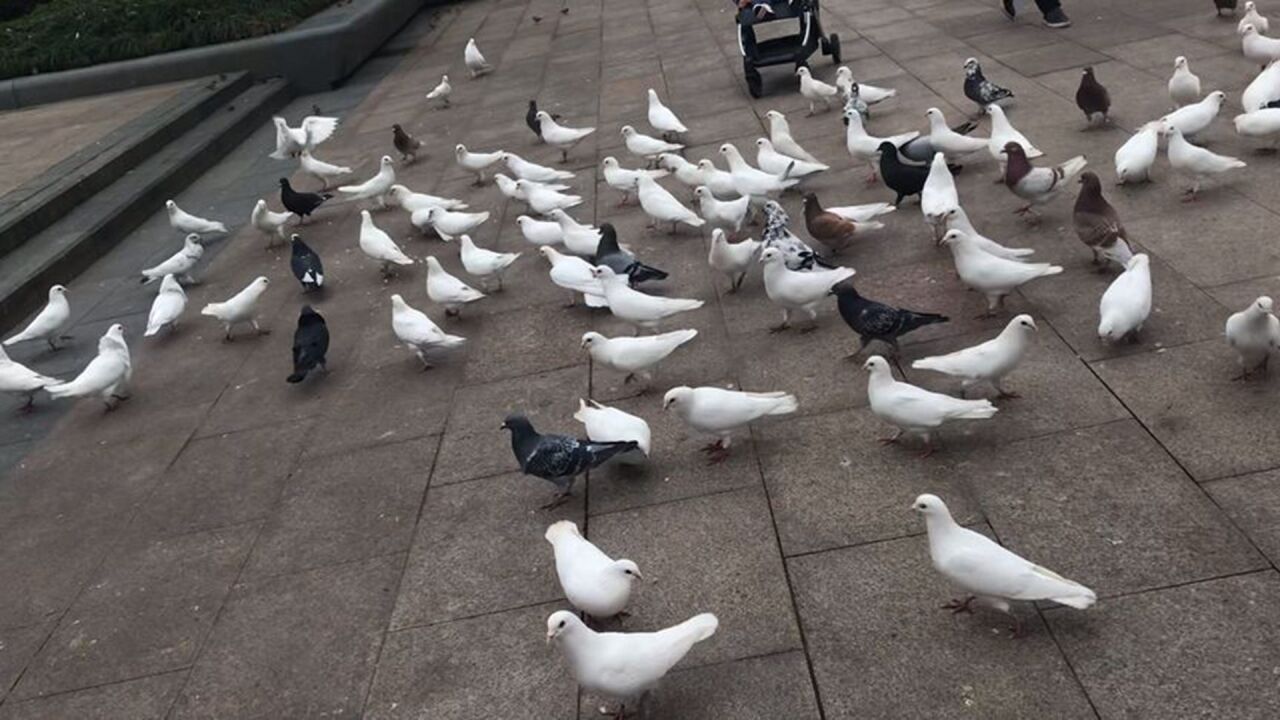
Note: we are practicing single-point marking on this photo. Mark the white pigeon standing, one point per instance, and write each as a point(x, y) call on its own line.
point(483, 263)
point(239, 308)
point(18, 379)
point(624, 666)
point(441, 91)
point(870, 94)
point(448, 224)
point(474, 60)
point(1254, 333)
point(783, 142)
point(1196, 161)
point(795, 290)
point(540, 232)
point(720, 182)
point(575, 275)
point(772, 161)
point(939, 196)
point(989, 274)
point(313, 130)
point(413, 328)
point(1126, 304)
point(865, 147)
point(624, 180)
point(578, 239)
point(180, 264)
point(1263, 89)
point(732, 259)
point(948, 141)
point(49, 323)
point(268, 222)
point(1264, 123)
point(376, 187)
point(719, 412)
point(1184, 86)
point(990, 573)
point(410, 201)
point(646, 146)
point(958, 219)
point(321, 170)
point(683, 170)
point(1258, 47)
point(378, 245)
point(722, 213)
point(914, 410)
point(634, 355)
point(989, 361)
point(560, 136)
point(108, 374)
point(185, 222)
point(1002, 133)
point(662, 119)
point(816, 91)
point(447, 290)
point(637, 308)
point(525, 170)
point(476, 162)
point(1194, 118)
point(168, 306)
point(1136, 156)
point(1254, 18)
point(609, 424)
point(752, 182)
point(543, 200)
point(593, 582)
point(662, 207)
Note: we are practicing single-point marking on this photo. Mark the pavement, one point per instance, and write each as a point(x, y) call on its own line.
point(228, 545)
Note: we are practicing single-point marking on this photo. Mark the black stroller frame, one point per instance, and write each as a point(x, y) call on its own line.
point(790, 49)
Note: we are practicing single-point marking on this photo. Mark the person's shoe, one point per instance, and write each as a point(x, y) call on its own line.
point(1007, 7)
point(1056, 19)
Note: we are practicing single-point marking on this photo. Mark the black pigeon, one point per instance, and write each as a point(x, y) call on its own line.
point(622, 262)
point(877, 321)
point(1091, 97)
point(301, 204)
point(903, 179)
point(979, 89)
point(406, 144)
point(558, 459)
point(531, 119)
point(306, 265)
point(310, 344)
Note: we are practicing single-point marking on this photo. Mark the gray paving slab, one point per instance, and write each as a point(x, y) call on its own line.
point(146, 698)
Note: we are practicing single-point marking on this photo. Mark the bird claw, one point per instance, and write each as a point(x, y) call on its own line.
point(556, 501)
point(778, 328)
point(1005, 394)
point(957, 606)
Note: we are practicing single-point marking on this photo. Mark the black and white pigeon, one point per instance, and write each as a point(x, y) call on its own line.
point(904, 179)
point(558, 459)
point(310, 344)
point(876, 321)
point(979, 89)
point(796, 253)
point(301, 204)
point(531, 119)
point(306, 265)
point(622, 262)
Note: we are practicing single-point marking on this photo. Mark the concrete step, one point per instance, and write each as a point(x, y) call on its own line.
point(92, 226)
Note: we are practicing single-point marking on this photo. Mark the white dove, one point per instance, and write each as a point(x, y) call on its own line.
point(483, 263)
point(634, 355)
point(948, 141)
point(179, 264)
point(268, 222)
point(543, 200)
point(1126, 304)
point(167, 307)
point(311, 132)
point(958, 219)
point(1254, 18)
point(448, 224)
point(592, 581)
point(540, 232)
point(49, 323)
point(18, 379)
point(797, 290)
point(410, 201)
point(609, 424)
point(772, 161)
point(474, 60)
point(939, 196)
point(185, 222)
point(239, 308)
point(1258, 47)
point(510, 189)
point(722, 213)
point(413, 328)
point(321, 170)
point(575, 275)
point(662, 207)
point(1196, 161)
point(637, 308)
point(375, 187)
point(578, 239)
point(732, 259)
point(720, 182)
point(560, 136)
point(526, 170)
point(108, 374)
point(716, 411)
point(749, 181)
point(1136, 156)
point(646, 146)
point(783, 142)
point(662, 119)
point(816, 91)
point(1254, 333)
point(991, 574)
point(1263, 89)
point(476, 162)
point(1002, 133)
point(686, 172)
point(378, 245)
point(441, 91)
point(624, 180)
point(914, 410)
point(988, 274)
point(1194, 118)
point(1264, 123)
point(865, 147)
point(870, 94)
point(866, 212)
point(1184, 86)
point(989, 361)
point(447, 290)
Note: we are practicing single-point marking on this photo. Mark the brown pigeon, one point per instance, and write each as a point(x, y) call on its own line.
point(1098, 225)
point(836, 232)
point(406, 144)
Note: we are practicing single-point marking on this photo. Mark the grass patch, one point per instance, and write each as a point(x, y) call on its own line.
point(62, 34)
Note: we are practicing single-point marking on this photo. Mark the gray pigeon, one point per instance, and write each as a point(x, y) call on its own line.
point(558, 459)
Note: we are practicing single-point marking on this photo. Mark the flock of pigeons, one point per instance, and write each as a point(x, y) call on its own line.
point(798, 277)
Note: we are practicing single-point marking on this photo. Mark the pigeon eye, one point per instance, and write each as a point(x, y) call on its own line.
point(561, 623)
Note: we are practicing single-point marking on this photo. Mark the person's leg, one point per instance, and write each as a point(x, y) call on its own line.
point(747, 18)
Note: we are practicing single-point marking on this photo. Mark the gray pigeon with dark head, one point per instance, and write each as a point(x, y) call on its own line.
point(558, 459)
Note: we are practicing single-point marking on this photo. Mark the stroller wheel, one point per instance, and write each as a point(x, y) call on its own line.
point(755, 83)
point(833, 48)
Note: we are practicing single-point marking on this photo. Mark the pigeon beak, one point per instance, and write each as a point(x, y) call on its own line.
point(549, 636)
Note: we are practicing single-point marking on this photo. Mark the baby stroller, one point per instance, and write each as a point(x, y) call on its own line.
point(790, 49)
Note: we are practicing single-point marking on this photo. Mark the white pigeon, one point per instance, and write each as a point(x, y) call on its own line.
point(410, 201)
point(663, 207)
point(637, 308)
point(560, 136)
point(578, 239)
point(1264, 123)
point(378, 245)
point(624, 180)
point(543, 200)
point(988, 572)
point(634, 355)
point(1194, 118)
point(1258, 47)
point(1254, 333)
point(989, 361)
point(1184, 85)
point(483, 263)
point(474, 60)
point(321, 170)
point(575, 275)
point(167, 307)
point(540, 232)
point(870, 94)
point(1136, 156)
point(816, 91)
point(1263, 89)
point(865, 147)
point(783, 142)
point(683, 170)
point(510, 189)
point(413, 328)
point(447, 290)
point(646, 146)
point(375, 187)
point(185, 222)
point(721, 213)
point(914, 410)
point(179, 264)
point(1126, 304)
point(719, 412)
point(268, 222)
point(662, 119)
point(526, 170)
point(108, 374)
point(448, 224)
point(18, 379)
point(441, 91)
point(1254, 18)
point(239, 308)
point(49, 323)
point(989, 274)
point(950, 142)
point(754, 183)
point(313, 130)
point(592, 581)
point(609, 424)
point(796, 290)
point(1196, 161)
point(958, 219)
point(624, 665)
point(939, 196)
point(1002, 133)
point(732, 259)
point(720, 182)
point(867, 212)
point(476, 162)
point(772, 161)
